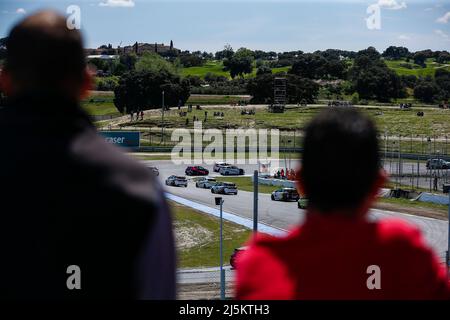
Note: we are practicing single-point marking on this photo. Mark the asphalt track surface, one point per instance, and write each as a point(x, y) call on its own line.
point(284, 215)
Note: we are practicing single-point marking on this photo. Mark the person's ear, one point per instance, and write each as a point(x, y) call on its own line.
point(299, 181)
point(88, 83)
point(6, 83)
point(380, 181)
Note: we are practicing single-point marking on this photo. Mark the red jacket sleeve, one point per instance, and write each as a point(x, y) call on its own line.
point(424, 276)
point(260, 276)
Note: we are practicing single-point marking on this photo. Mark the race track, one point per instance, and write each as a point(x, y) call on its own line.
point(283, 215)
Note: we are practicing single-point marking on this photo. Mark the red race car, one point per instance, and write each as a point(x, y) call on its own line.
point(196, 171)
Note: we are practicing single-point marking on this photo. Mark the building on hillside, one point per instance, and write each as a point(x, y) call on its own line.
point(140, 48)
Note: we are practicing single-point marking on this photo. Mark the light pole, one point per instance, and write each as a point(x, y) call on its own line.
point(255, 202)
point(162, 120)
point(219, 202)
point(448, 244)
point(429, 141)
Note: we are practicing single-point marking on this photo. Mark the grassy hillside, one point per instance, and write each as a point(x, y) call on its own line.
point(436, 122)
point(210, 66)
point(216, 67)
point(100, 103)
point(400, 66)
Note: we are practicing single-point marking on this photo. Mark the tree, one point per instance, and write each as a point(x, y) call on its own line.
point(191, 60)
point(373, 79)
point(261, 88)
point(226, 53)
point(128, 60)
point(212, 77)
point(309, 65)
point(301, 89)
point(142, 90)
point(154, 62)
point(240, 63)
point(420, 58)
point(194, 81)
point(408, 81)
point(442, 80)
point(396, 53)
point(263, 70)
point(425, 90)
point(443, 57)
point(317, 66)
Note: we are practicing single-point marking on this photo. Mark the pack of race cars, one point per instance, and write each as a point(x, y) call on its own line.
point(203, 181)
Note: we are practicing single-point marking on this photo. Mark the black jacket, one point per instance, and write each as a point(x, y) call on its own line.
point(69, 198)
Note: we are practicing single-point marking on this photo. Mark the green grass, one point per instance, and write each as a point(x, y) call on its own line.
point(213, 66)
point(206, 253)
point(214, 99)
point(415, 204)
point(436, 122)
point(416, 70)
point(216, 67)
point(100, 104)
point(152, 157)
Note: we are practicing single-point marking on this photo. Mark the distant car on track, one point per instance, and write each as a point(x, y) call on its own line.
point(219, 165)
point(234, 256)
point(439, 164)
point(231, 171)
point(302, 203)
point(176, 181)
point(224, 188)
point(154, 171)
point(196, 171)
point(205, 182)
point(285, 194)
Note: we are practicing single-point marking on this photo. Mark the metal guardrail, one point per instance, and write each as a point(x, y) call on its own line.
point(395, 155)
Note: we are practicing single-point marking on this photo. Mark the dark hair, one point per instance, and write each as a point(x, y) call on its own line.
point(340, 159)
point(42, 52)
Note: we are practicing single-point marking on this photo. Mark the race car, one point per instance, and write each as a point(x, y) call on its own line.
point(154, 171)
point(224, 188)
point(234, 256)
point(196, 171)
point(439, 164)
point(219, 165)
point(231, 171)
point(205, 182)
point(176, 181)
point(285, 194)
point(302, 203)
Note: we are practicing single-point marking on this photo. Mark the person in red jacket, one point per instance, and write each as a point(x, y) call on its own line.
point(337, 252)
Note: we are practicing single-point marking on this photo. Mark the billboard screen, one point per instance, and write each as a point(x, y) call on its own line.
point(129, 139)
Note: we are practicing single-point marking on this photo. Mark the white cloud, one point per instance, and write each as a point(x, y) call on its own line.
point(391, 4)
point(21, 11)
point(442, 34)
point(117, 3)
point(444, 19)
point(404, 37)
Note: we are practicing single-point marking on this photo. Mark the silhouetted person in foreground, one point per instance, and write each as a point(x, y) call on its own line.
point(67, 197)
point(337, 253)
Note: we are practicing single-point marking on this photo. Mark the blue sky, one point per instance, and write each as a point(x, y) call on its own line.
point(276, 25)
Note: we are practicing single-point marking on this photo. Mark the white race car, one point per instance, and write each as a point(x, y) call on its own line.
point(176, 181)
point(224, 188)
point(231, 171)
point(285, 194)
point(205, 182)
point(219, 165)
